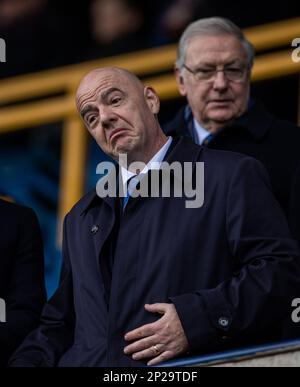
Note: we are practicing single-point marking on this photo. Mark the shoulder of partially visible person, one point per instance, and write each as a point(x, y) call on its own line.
point(13, 209)
point(199, 153)
point(17, 217)
point(219, 165)
point(21, 237)
point(224, 161)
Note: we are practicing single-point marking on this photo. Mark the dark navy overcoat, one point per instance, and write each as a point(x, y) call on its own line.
point(230, 267)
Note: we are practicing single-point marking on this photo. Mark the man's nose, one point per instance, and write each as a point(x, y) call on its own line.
point(220, 81)
point(107, 116)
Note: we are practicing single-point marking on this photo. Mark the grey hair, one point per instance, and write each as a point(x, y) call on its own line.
point(212, 26)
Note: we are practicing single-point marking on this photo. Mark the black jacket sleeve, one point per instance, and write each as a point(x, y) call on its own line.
point(44, 346)
point(23, 268)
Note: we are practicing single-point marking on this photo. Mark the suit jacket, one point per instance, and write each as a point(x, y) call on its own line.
point(21, 275)
point(230, 267)
point(260, 135)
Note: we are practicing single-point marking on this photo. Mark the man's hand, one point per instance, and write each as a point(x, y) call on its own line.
point(159, 341)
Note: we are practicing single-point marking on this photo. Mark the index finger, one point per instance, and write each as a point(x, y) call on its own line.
point(140, 333)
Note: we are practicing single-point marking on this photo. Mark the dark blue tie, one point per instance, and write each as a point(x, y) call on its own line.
point(131, 186)
point(208, 139)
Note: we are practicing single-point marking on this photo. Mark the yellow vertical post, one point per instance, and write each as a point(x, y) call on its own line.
point(73, 164)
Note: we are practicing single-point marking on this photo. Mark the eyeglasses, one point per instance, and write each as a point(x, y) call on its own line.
point(232, 73)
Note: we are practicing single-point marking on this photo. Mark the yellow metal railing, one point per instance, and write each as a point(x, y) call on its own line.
point(145, 64)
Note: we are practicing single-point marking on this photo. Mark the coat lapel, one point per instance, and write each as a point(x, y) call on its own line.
point(100, 217)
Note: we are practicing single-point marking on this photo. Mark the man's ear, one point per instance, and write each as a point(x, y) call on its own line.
point(180, 81)
point(152, 99)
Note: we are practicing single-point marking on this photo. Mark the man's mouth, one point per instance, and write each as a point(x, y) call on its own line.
point(116, 132)
point(220, 101)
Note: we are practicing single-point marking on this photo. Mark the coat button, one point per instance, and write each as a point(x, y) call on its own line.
point(95, 229)
point(226, 338)
point(223, 322)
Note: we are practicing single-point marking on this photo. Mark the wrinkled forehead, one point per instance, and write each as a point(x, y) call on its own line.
point(99, 81)
point(96, 82)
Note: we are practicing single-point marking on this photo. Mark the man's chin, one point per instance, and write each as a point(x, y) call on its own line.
point(122, 150)
point(222, 116)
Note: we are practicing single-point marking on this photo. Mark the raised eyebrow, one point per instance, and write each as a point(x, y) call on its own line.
point(86, 110)
point(107, 93)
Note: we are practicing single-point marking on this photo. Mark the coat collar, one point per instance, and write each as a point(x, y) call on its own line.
point(92, 200)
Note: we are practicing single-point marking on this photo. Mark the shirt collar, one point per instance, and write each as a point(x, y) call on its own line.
point(200, 133)
point(154, 163)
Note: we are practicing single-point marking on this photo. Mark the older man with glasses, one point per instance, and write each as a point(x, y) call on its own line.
point(213, 71)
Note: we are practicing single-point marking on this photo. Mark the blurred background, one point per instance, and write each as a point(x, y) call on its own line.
point(46, 159)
